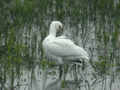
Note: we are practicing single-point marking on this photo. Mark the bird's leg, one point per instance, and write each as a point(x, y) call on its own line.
point(75, 72)
point(61, 71)
point(65, 71)
point(61, 76)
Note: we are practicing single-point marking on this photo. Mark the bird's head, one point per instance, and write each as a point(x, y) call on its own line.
point(56, 27)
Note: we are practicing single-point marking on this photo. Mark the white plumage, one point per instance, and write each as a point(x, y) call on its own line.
point(61, 48)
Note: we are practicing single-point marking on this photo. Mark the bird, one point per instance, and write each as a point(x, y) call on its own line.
point(61, 48)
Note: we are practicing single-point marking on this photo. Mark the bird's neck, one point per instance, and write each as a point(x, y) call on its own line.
point(52, 32)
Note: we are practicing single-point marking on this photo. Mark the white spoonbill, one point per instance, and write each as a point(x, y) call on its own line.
point(61, 48)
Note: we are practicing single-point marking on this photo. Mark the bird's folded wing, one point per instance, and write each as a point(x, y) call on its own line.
point(65, 47)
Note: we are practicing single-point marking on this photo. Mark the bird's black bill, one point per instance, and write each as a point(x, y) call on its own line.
point(59, 32)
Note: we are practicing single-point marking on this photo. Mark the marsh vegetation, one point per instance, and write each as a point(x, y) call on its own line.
point(92, 24)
